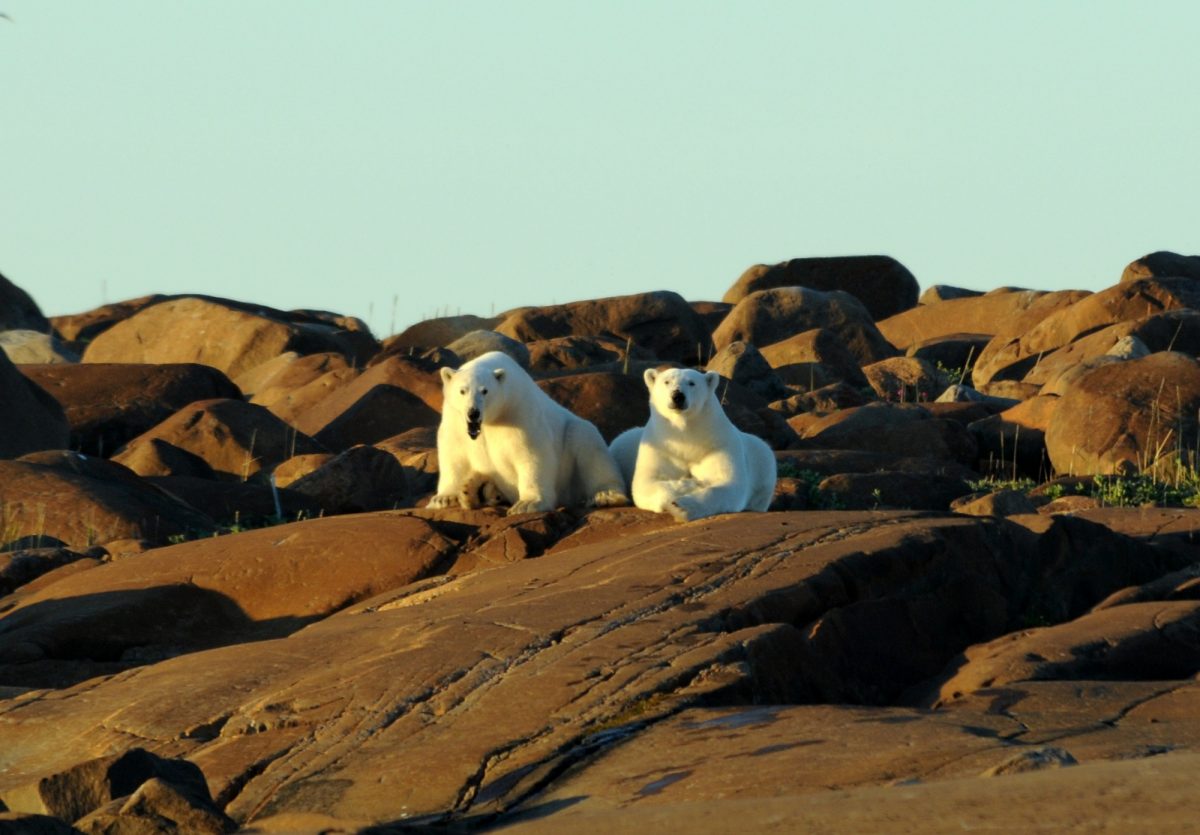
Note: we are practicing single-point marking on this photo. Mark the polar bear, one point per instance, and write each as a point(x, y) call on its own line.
point(689, 460)
point(502, 437)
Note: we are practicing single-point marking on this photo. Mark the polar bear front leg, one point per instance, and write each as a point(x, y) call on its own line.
point(535, 487)
point(719, 488)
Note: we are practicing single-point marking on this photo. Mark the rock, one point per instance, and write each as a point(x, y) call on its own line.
point(953, 354)
point(227, 335)
point(1178, 585)
point(236, 439)
point(1155, 641)
point(82, 501)
point(905, 379)
point(431, 679)
point(999, 503)
point(577, 353)
point(661, 322)
point(946, 292)
point(237, 504)
point(825, 462)
point(873, 491)
point(882, 284)
point(18, 311)
point(81, 328)
point(770, 316)
point(436, 332)
point(390, 397)
point(107, 405)
point(30, 419)
point(416, 451)
point(829, 398)
point(19, 823)
point(1072, 505)
point(613, 402)
point(1137, 415)
point(158, 806)
point(477, 343)
point(711, 313)
point(211, 592)
point(1014, 353)
point(987, 314)
point(793, 358)
point(21, 566)
point(1014, 441)
point(742, 363)
point(359, 479)
point(888, 428)
point(289, 384)
point(74, 792)
point(1162, 264)
point(26, 347)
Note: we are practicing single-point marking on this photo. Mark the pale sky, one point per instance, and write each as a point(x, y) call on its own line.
point(479, 156)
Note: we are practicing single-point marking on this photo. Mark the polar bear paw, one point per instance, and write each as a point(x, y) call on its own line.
point(685, 509)
point(528, 506)
point(609, 498)
point(443, 500)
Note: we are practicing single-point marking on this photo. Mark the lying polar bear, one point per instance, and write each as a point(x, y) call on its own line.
point(502, 437)
point(689, 460)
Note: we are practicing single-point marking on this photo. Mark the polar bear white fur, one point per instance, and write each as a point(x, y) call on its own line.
point(689, 460)
point(502, 437)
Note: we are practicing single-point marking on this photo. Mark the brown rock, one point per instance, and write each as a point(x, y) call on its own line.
point(30, 419)
point(209, 592)
point(794, 356)
point(237, 504)
point(999, 503)
point(575, 353)
point(18, 311)
point(82, 501)
point(1013, 353)
point(416, 452)
point(298, 466)
point(987, 314)
point(437, 332)
point(1014, 441)
point(770, 316)
point(955, 352)
point(743, 364)
point(236, 439)
point(107, 405)
point(290, 385)
point(390, 397)
point(661, 322)
point(227, 335)
point(81, 328)
point(1162, 265)
point(360, 479)
point(158, 806)
point(905, 379)
point(889, 428)
point(26, 564)
point(945, 292)
point(881, 283)
point(1138, 415)
point(711, 312)
point(872, 491)
point(1148, 641)
point(824, 462)
point(829, 398)
point(613, 402)
point(477, 343)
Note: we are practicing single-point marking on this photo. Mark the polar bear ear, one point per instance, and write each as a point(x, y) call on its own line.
point(499, 374)
point(713, 379)
point(447, 374)
point(650, 376)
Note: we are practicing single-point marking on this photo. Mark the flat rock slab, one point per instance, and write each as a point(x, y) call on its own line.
point(466, 692)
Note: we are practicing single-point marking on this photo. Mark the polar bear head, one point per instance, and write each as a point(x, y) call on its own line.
point(475, 392)
point(680, 393)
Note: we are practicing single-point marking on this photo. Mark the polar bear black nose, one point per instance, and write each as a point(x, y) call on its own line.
point(678, 399)
point(473, 415)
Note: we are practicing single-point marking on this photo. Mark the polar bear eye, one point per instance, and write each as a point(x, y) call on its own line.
point(691, 382)
point(483, 391)
point(462, 391)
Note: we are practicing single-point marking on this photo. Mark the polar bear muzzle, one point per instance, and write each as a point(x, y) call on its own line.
point(474, 423)
point(678, 400)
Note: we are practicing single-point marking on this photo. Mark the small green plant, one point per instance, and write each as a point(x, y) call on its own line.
point(954, 376)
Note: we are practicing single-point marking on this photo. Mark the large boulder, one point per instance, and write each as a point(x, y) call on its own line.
point(905, 379)
point(882, 284)
point(991, 313)
point(107, 404)
point(290, 388)
point(81, 328)
point(768, 316)
point(661, 322)
point(896, 429)
point(82, 501)
point(30, 418)
point(390, 397)
point(612, 401)
point(18, 311)
point(477, 343)
point(227, 335)
point(1013, 353)
point(236, 439)
point(565, 354)
point(793, 358)
point(1162, 264)
point(1137, 415)
point(742, 363)
point(436, 333)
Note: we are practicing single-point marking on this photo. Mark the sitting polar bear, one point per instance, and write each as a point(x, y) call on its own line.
point(689, 460)
point(502, 437)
